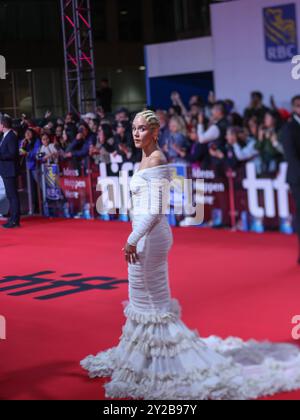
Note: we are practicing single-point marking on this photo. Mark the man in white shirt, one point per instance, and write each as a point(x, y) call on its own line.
point(216, 133)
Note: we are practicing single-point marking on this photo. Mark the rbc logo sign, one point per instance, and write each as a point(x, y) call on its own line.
point(280, 30)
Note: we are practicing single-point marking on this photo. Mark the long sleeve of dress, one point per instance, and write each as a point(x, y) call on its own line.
point(150, 202)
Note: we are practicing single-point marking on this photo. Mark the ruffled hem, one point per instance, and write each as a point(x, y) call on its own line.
point(160, 358)
point(154, 316)
point(223, 381)
point(194, 385)
point(102, 365)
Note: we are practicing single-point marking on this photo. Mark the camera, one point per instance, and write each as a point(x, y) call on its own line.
point(41, 155)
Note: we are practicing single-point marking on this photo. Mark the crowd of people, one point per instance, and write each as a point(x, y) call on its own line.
point(210, 134)
point(206, 133)
point(217, 136)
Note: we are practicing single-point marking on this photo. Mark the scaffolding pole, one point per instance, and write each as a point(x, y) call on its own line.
point(78, 45)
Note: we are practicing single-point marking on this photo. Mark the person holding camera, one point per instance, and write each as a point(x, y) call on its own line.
point(48, 152)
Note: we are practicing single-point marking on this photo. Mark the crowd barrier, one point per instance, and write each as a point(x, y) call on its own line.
point(237, 199)
point(25, 194)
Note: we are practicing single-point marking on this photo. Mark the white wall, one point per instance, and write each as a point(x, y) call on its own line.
point(240, 65)
point(235, 53)
point(180, 57)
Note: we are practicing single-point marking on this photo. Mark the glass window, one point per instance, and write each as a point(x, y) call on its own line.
point(23, 86)
point(128, 86)
point(8, 21)
point(130, 20)
point(6, 95)
point(164, 20)
point(99, 19)
point(48, 91)
point(29, 20)
point(192, 17)
point(177, 19)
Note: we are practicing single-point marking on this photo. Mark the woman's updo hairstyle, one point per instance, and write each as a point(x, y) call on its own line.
point(151, 118)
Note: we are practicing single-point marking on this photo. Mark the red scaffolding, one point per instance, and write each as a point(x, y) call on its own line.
point(79, 55)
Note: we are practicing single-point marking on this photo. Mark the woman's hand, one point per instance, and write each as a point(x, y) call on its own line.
point(218, 154)
point(23, 152)
point(93, 150)
point(130, 254)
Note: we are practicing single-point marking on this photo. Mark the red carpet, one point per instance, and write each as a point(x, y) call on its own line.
point(237, 284)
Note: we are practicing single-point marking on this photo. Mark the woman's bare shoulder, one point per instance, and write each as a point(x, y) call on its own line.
point(157, 159)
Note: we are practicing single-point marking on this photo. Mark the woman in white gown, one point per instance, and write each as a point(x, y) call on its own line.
point(158, 357)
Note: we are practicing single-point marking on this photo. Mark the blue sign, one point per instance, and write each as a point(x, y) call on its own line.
point(280, 27)
point(53, 191)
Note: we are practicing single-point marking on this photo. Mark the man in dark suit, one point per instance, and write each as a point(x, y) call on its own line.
point(9, 169)
point(291, 143)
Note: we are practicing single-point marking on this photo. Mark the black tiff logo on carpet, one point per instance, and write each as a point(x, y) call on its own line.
point(68, 284)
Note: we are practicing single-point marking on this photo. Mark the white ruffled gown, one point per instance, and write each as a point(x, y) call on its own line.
point(158, 357)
